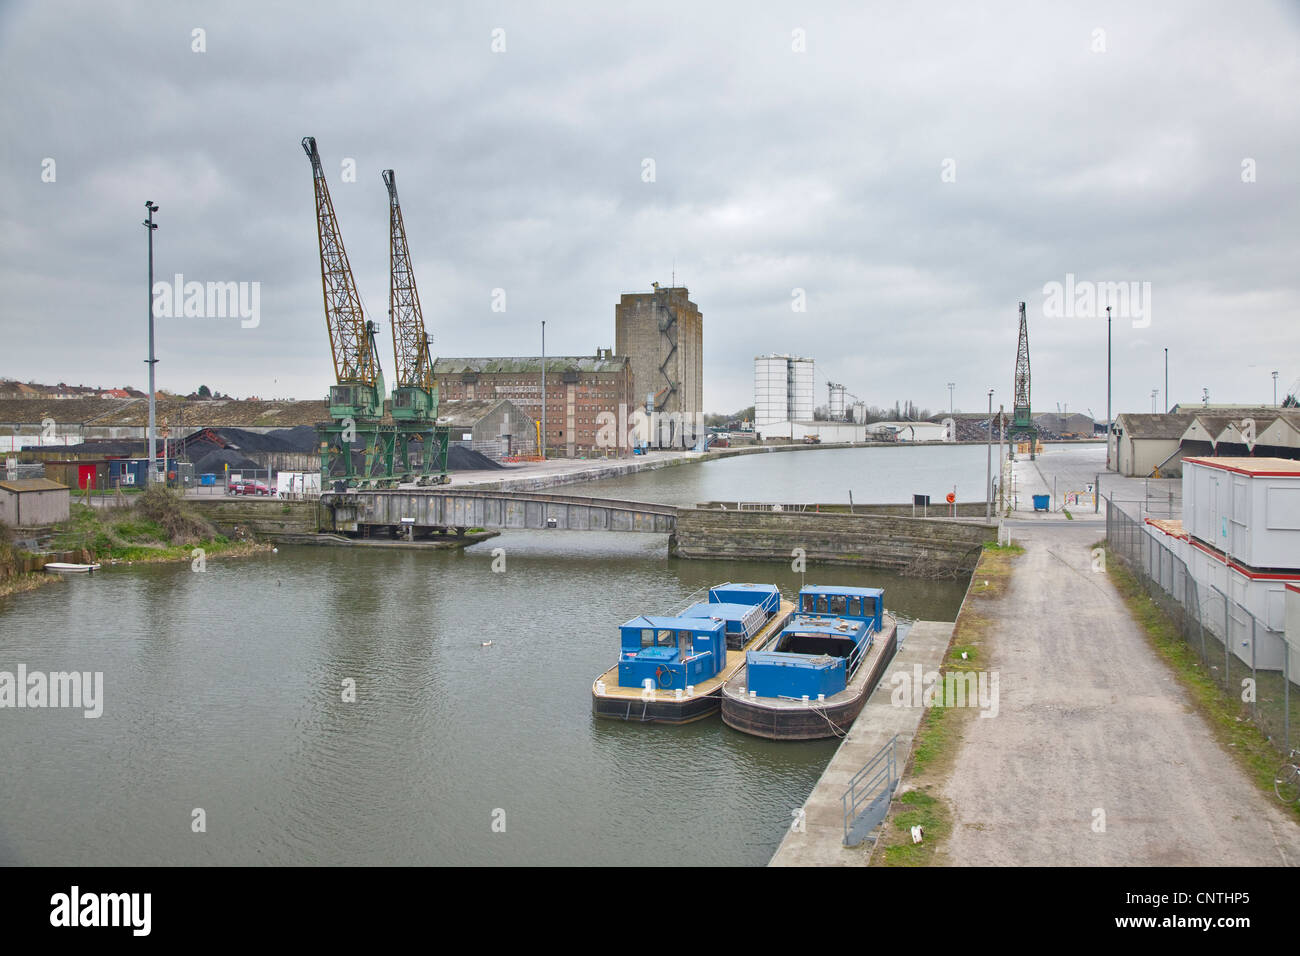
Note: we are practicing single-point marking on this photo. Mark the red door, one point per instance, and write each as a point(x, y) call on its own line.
point(86, 477)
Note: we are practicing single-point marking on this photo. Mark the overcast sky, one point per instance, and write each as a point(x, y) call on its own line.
point(917, 169)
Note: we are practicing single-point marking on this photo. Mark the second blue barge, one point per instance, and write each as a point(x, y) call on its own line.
point(812, 680)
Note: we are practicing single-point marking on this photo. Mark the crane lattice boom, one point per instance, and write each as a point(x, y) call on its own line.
point(410, 340)
point(351, 336)
point(1022, 414)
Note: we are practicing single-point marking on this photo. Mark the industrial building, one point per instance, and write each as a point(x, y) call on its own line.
point(662, 334)
point(1141, 444)
point(578, 389)
point(26, 422)
point(495, 427)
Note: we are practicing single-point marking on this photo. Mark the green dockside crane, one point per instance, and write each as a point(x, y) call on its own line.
point(415, 393)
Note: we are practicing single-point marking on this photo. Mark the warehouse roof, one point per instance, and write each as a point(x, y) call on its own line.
point(1142, 425)
point(135, 411)
point(529, 363)
point(20, 485)
point(469, 413)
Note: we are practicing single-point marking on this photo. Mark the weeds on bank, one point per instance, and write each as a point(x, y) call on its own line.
point(159, 526)
point(1221, 709)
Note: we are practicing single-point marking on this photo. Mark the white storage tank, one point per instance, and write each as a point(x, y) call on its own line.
point(801, 390)
point(1246, 508)
point(771, 388)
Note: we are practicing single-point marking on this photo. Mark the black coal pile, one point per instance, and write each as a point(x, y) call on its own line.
point(213, 462)
point(300, 438)
point(460, 458)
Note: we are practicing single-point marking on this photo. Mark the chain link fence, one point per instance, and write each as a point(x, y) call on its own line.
point(1250, 661)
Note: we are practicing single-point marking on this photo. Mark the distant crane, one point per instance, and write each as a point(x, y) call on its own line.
point(1022, 418)
point(1292, 399)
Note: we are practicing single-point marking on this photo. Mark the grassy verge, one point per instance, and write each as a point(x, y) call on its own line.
point(1224, 712)
point(934, 750)
point(159, 527)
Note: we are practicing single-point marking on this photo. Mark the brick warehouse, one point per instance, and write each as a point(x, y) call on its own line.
point(662, 334)
point(578, 389)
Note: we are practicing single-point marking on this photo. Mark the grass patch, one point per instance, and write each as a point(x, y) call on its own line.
point(1228, 718)
point(916, 808)
point(934, 749)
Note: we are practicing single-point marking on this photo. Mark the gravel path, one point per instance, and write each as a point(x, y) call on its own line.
point(1090, 719)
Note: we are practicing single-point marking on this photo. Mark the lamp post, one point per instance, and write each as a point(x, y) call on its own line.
point(1275, 387)
point(1166, 381)
point(543, 389)
point(150, 225)
point(988, 465)
point(1110, 424)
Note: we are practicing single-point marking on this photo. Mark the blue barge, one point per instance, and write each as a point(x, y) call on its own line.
point(813, 678)
point(671, 669)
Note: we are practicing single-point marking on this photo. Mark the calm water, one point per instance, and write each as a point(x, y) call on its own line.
point(877, 475)
point(222, 691)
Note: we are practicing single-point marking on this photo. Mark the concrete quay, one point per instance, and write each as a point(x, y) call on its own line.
point(820, 842)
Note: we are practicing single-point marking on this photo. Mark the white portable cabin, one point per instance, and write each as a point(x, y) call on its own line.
point(297, 484)
point(1246, 508)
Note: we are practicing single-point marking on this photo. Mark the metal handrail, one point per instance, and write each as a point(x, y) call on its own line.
point(880, 772)
point(859, 653)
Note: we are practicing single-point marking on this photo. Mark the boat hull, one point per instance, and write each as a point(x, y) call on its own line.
point(782, 719)
point(658, 711)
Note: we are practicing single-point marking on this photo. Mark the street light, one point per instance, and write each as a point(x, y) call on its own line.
point(1110, 424)
point(543, 452)
point(988, 465)
point(151, 474)
point(1275, 387)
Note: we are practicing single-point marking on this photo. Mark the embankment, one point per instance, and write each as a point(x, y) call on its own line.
point(915, 546)
point(261, 517)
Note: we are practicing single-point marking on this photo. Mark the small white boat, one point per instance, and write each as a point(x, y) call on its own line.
point(72, 568)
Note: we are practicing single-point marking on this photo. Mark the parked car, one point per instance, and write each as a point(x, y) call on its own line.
point(246, 486)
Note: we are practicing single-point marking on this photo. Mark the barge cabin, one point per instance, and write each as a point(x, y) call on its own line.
point(671, 669)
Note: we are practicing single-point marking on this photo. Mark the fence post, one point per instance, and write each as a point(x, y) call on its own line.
point(1254, 676)
point(1227, 643)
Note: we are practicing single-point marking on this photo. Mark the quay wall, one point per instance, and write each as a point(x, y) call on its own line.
point(925, 547)
point(941, 509)
point(266, 518)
